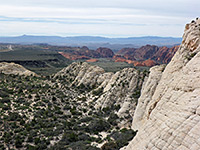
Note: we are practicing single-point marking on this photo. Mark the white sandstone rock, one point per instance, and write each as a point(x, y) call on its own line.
point(118, 88)
point(170, 119)
point(12, 68)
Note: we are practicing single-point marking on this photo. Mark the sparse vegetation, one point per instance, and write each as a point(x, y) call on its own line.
point(37, 114)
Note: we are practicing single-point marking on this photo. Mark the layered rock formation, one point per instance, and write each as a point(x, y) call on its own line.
point(105, 52)
point(12, 68)
point(145, 52)
point(148, 55)
point(126, 51)
point(167, 116)
point(151, 52)
point(165, 54)
point(85, 53)
point(148, 62)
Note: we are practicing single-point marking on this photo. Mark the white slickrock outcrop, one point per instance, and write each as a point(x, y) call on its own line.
point(83, 73)
point(117, 89)
point(168, 115)
point(12, 68)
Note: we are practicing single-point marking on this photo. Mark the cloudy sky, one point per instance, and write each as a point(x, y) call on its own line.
point(110, 18)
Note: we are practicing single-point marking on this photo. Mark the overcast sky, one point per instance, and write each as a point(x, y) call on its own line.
point(110, 18)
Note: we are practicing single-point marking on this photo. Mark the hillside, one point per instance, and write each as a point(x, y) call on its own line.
point(85, 53)
point(11, 68)
point(148, 55)
point(167, 114)
point(80, 107)
point(160, 55)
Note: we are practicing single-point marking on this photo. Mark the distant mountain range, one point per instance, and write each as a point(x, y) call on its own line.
point(93, 42)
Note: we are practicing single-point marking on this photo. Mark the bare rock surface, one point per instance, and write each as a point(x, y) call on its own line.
point(147, 91)
point(107, 90)
point(12, 68)
point(168, 114)
point(82, 73)
point(120, 89)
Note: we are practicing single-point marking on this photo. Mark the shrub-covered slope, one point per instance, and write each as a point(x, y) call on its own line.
point(59, 112)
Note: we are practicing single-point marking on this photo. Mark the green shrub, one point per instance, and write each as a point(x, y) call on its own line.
point(98, 125)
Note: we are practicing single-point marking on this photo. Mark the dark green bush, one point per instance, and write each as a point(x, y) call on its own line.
point(98, 125)
point(110, 146)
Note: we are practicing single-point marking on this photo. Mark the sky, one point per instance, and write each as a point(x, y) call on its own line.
point(108, 18)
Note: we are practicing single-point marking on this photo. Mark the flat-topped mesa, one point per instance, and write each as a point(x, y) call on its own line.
point(12, 68)
point(168, 110)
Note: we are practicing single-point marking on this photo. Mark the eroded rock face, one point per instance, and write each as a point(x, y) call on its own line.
point(167, 116)
point(120, 88)
point(85, 53)
point(82, 74)
point(148, 63)
point(108, 90)
point(12, 68)
point(127, 51)
point(148, 55)
point(147, 91)
point(165, 54)
point(105, 52)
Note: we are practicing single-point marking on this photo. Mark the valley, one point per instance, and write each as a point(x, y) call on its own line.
point(46, 59)
point(99, 75)
point(74, 98)
point(59, 97)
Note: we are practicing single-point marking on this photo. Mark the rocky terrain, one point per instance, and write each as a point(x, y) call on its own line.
point(53, 58)
point(149, 55)
point(119, 89)
point(12, 68)
point(167, 116)
point(165, 54)
point(80, 107)
point(147, 63)
point(138, 57)
point(85, 53)
point(84, 107)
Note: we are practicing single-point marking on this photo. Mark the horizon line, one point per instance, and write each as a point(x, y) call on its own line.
point(101, 36)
